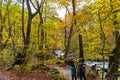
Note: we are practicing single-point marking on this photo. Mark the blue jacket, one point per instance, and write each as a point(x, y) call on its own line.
point(73, 70)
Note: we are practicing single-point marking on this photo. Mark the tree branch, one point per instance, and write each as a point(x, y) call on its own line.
point(115, 11)
point(33, 5)
point(39, 7)
point(67, 10)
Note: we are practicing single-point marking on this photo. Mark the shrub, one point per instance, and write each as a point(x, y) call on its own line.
point(55, 61)
point(27, 67)
point(90, 73)
point(22, 68)
point(18, 67)
point(55, 74)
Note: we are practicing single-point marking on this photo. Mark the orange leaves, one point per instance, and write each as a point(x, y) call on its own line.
point(82, 16)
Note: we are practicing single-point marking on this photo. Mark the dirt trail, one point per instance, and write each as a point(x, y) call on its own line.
point(65, 71)
point(3, 78)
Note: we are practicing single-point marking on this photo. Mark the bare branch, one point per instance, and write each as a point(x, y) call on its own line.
point(28, 6)
point(33, 5)
point(34, 14)
point(39, 7)
point(67, 10)
point(115, 11)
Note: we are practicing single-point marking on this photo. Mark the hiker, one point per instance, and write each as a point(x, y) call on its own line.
point(82, 71)
point(95, 69)
point(73, 71)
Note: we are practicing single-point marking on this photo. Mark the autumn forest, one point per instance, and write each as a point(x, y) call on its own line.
point(32, 31)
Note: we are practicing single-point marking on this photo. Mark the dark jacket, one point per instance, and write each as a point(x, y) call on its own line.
point(73, 70)
point(81, 68)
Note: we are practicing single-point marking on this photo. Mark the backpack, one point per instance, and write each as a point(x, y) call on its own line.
point(81, 68)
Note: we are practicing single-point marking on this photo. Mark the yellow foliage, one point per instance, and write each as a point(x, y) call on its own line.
point(54, 61)
point(118, 16)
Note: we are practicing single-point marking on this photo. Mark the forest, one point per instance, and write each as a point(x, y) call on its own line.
point(39, 38)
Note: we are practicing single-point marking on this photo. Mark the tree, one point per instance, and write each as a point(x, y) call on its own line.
point(114, 59)
point(71, 29)
point(1, 25)
point(30, 17)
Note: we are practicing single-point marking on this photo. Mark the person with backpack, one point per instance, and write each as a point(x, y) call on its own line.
point(82, 71)
point(73, 71)
point(95, 69)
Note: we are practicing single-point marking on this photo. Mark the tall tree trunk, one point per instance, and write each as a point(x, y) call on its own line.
point(114, 59)
point(65, 37)
point(71, 30)
point(30, 17)
point(45, 33)
point(41, 41)
point(81, 47)
point(114, 62)
point(1, 29)
point(27, 36)
point(23, 33)
point(65, 29)
point(103, 38)
point(41, 32)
